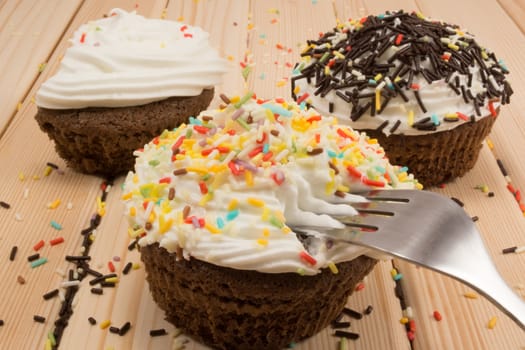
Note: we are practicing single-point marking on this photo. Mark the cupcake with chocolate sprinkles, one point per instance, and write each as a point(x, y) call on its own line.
point(426, 89)
point(123, 80)
point(213, 204)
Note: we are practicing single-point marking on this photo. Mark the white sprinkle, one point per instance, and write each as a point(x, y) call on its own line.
point(67, 284)
point(74, 302)
point(108, 188)
point(60, 272)
point(18, 217)
point(69, 206)
point(61, 296)
point(281, 155)
point(408, 313)
point(520, 250)
point(26, 193)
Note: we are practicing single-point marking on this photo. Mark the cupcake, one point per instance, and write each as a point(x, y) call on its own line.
point(425, 89)
point(123, 80)
point(213, 203)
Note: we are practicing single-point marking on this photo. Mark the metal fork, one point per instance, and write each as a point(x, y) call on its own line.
point(429, 230)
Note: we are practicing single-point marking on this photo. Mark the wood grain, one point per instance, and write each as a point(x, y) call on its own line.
point(268, 36)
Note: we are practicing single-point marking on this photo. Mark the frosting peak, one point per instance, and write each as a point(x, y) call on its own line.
point(226, 187)
point(126, 60)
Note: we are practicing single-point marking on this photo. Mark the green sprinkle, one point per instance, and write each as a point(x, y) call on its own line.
point(51, 338)
point(276, 222)
point(154, 162)
point(56, 225)
point(243, 100)
point(324, 57)
point(38, 262)
point(243, 123)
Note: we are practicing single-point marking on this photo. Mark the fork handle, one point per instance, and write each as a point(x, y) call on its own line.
point(500, 294)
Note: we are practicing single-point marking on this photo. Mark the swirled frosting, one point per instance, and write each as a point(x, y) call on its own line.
point(227, 187)
point(127, 60)
point(402, 73)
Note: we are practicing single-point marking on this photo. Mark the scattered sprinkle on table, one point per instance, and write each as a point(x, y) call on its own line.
point(157, 332)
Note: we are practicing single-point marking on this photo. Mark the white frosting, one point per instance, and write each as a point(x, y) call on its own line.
point(439, 99)
point(127, 60)
point(250, 177)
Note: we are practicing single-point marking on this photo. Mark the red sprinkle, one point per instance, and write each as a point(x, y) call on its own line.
point(267, 156)
point(314, 118)
point(354, 172)
point(492, 109)
point(414, 86)
point(201, 129)
point(437, 315)
point(303, 97)
point(83, 38)
point(278, 178)
point(206, 152)
point(177, 144)
point(360, 286)
point(411, 335)
point(183, 28)
point(234, 169)
point(255, 151)
point(203, 187)
point(307, 258)
point(165, 180)
point(399, 38)
point(412, 326)
point(370, 182)
point(462, 116)
point(56, 241)
point(188, 35)
point(39, 245)
point(111, 267)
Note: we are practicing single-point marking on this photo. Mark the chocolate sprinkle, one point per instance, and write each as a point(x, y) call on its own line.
point(397, 48)
point(347, 335)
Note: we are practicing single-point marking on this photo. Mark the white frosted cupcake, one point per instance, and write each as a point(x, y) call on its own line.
point(213, 203)
point(123, 80)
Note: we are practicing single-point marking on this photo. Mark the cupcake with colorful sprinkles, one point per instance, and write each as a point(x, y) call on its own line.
point(212, 204)
point(426, 89)
point(123, 80)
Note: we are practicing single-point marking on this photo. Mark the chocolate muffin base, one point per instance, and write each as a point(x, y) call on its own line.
point(236, 309)
point(101, 141)
point(439, 157)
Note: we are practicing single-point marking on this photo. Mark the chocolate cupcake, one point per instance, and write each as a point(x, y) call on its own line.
point(425, 89)
point(213, 204)
point(124, 80)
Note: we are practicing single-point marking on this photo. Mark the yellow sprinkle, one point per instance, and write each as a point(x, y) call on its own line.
point(255, 202)
point(393, 272)
point(378, 99)
point(41, 67)
point(419, 186)
point(19, 106)
point(403, 320)
point(262, 241)
point(329, 188)
point(164, 13)
point(420, 15)
point(490, 144)
point(180, 19)
point(105, 324)
point(248, 177)
point(281, 83)
point(343, 188)
point(343, 344)
point(492, 322)
point(206, 198)
point(484, 55)
point(372, 141)
point(21, 176)
point(135, 178)
point(397, 79)
point(250, 26)
point(378, 76)
point(453, 47)
point(327, 70)
point(135, 266)
point(54, 204)
point(36, 177)
point(266, 232)
point(333, 268)
point(132, 211)
point(48, 345)
point(286, 229)
point(265, 216)
point(338, 55)
point(164, 225)
point(470, 295)
point(212, 228)
point(233, 204)
point(194, 169)
point(410, 120)
point(111, 280)
point(270, 116)
point(126, 196)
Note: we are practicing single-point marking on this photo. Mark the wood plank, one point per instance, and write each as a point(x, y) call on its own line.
point(515, 9)
point(29, 31)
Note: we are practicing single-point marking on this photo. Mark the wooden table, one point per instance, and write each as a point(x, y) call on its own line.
point(268, 35)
